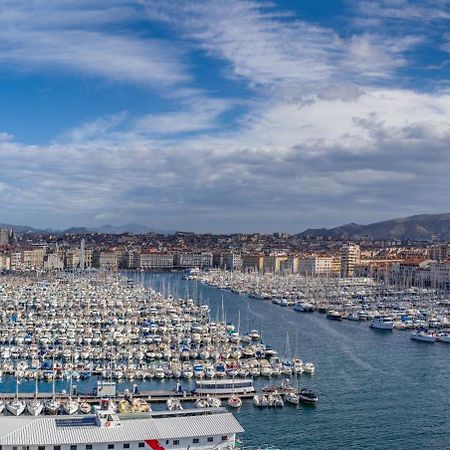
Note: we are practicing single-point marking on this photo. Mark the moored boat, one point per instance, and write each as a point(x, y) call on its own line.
point(382, 323)
point(423, 336)
point(235, 401)
point(307, 396)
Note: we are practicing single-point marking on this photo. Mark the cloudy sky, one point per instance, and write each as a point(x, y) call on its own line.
point(224, 115)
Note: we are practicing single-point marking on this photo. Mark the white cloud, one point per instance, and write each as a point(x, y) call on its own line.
point(49, 35)
point(320, 140)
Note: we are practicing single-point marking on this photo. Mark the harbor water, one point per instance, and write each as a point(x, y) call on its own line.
point(377, 390)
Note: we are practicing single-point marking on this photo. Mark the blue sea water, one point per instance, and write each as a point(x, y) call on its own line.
point(377, 390)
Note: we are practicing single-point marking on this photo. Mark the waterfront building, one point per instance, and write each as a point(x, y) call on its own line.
point(252, 263)
point(72, 258)
point(155, 261)
point(108, 260)
point(33, 259)
point(191, 260)
point(336, 265)
point(350, 257)
point(289, 265)
point(232, 261)
point(53, 261)
point(217, 260)
point(440, 272)
point(16, 261)
point(272, 263)
point(316, 265)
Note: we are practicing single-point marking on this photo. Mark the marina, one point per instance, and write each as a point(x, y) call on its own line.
point(383, 305)
point(357, 370)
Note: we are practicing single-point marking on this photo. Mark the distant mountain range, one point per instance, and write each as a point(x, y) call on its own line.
point(133, 228)
point(420, 227)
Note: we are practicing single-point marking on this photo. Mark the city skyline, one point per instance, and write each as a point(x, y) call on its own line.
point(223, 117)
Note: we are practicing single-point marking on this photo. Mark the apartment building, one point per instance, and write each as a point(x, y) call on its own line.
point(156, 261)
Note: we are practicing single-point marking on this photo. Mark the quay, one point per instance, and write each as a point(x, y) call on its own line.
point(156, 396)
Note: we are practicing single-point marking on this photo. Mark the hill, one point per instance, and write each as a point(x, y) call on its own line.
point(419, 227)
point(105, 229)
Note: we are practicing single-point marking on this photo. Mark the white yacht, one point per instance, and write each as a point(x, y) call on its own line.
point(382, 323)
point(197, 430)
point(304, 307)
point(423, 336)
point(445, 338)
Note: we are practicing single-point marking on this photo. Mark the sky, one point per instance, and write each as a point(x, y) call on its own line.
point(225, 115)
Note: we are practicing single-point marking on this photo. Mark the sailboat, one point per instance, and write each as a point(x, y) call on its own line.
point(16, 407)
point(70, 406)
point(35, 406)
point(52, 406)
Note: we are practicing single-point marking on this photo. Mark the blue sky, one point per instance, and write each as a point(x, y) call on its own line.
point(223, 116)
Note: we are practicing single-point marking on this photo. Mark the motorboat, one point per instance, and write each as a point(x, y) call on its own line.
point(140, 405)
point(254, 335)
point(423, 336)
point(304, 307)
point(382, 323)
point(334, 315)
point(275, 399)
point(174, 404)
point(235, 401)
point(202, 403)
point(292, 398)
point(309, 368)
point(445, 338)
point(124, 407)
point(307, 396)
point(214, 402)
point(260, 400)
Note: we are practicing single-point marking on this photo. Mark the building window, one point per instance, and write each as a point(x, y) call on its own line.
point(73, 447)
point(141, 444)
point(126, 445)
point(176, 442)
point(210, 439)
point(110, 446)
point(195, 441)
point(55, 447)
point(41, 447)
point(167, 441)
point(88, 446)
point(224, 438)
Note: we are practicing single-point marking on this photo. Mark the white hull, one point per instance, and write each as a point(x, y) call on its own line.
point(421, 337)
point(16, 408)
point(52, 407)
point(70, 407)
point(35, 407)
